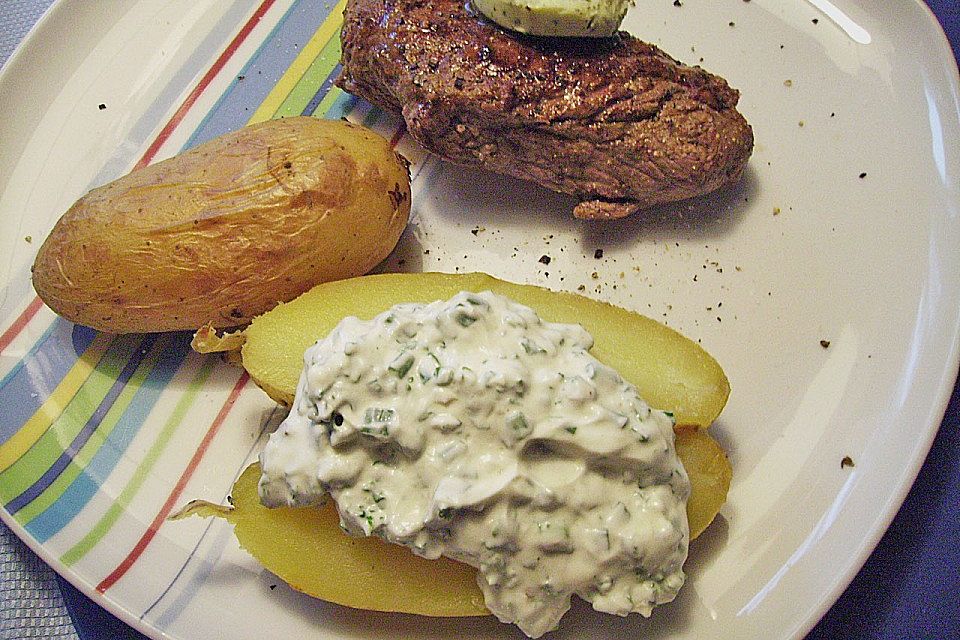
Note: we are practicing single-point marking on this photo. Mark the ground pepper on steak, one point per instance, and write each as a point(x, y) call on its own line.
point(615, 122)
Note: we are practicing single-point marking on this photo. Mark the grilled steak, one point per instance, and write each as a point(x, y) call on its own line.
point(614, 121)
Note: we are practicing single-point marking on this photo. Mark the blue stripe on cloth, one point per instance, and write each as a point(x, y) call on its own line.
point(322, 91)
point(83, 488)
point(31, 381)
point(83, 436)
point(233, 109)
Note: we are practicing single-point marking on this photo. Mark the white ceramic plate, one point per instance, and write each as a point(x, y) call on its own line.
point(844, 231)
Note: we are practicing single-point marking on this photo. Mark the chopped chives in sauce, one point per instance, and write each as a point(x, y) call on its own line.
point(473, 429)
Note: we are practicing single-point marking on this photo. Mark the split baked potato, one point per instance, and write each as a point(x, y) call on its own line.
point(305, 546)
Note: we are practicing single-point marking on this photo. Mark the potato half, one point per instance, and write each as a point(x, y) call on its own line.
point(305, 546)
point(221, 233)
point(670, 371)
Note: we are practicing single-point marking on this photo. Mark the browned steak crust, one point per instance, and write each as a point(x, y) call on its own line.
point(615, 121)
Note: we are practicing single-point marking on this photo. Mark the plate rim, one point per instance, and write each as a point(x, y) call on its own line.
point(946, 380)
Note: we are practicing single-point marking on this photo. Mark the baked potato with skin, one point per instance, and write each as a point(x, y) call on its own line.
point(305, 547)
point(223, 232)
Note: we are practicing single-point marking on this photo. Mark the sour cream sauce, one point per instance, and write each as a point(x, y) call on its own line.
point(471, 428)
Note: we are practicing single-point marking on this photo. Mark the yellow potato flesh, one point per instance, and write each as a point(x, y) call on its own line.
point(306, 548)
point(710, 473)
point(222, 232)
point(670, 371)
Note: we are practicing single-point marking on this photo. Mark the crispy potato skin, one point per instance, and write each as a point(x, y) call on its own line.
point(225, 231)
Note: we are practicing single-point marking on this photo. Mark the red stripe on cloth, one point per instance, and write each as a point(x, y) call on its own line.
point(22, 321)
point(174, 496)
point(204, 83)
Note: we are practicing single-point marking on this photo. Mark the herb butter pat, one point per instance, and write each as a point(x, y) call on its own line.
point(471, 428)
point(577, 18)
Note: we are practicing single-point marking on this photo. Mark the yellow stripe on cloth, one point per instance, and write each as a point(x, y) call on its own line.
point(299, 66)
point(34, 428)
